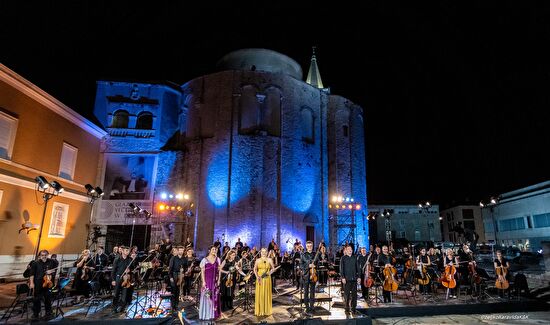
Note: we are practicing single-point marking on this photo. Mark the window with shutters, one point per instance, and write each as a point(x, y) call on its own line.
point(8, 129)
point(68, 161)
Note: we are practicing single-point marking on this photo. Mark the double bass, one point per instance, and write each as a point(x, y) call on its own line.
point(472, 269)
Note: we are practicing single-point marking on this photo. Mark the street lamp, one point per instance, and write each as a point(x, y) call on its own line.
point(491, 204)
point(426, 207)
point(49, 190)
point(93, 193)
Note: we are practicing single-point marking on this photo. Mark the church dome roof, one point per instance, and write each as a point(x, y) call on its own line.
point(260, 60)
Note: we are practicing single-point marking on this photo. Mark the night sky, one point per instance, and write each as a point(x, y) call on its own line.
point(456, 96)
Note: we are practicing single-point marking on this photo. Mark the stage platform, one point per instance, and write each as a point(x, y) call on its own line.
point(288, 310)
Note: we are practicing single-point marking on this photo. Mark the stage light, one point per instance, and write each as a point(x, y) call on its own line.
point(334, 198)
point(358, 207)
point(347, 199)
point(164, 196)
point(172, 208)
point(351, 199)
point(481, 205)
point(186, 196)
point(179, 196)
point(171, 196)
point(89, 188)
point(493, 200)
point(350, 206)
point(420, 205)
point(428, 204)
point(42, 182)
point(440, 218)
point(191, 205)
point(162, 207)
point(179, 208)
point(99, 191)
point(330, 206)
point(57, 187)
point(337, 206)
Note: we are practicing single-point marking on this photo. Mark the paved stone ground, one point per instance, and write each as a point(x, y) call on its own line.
point(286, 308)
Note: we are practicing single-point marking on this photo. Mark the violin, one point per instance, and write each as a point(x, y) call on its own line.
point(47, 280)
point(448, 279)
point(312, 272)
point(127, 276)
point(501, 282)
point(390, 283)
point(229, 281)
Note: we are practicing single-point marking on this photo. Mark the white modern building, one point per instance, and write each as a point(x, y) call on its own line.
point(521, 217)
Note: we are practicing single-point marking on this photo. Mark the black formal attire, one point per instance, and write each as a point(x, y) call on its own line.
point(296, 258)
point(188, 278)
point(219, 246)
point(80, 285)
point(503, 263)
point(424, 259)
point(463, 268)
point(349, 270)
point(375, 272)
point(101, 261)
point(384, 259)
point(362, 261)
point(38, 270)
point(175, 268)
point(122, 297)
point(271, 246)
point(112, 258)
point(323, 269)
point(306, 259)
point(228, 292)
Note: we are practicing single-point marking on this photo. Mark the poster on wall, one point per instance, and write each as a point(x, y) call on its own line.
point(128, 177)
point(58, 222)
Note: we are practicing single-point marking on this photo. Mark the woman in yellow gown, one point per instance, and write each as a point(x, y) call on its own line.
point(262, 270)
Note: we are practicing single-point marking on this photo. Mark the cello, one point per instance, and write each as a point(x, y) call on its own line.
point(501, 282)
point(390, 283)
point(448, 278)
point(368, 282)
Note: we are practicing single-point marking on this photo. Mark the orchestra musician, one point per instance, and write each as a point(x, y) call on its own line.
point(451, 260)
point(122, 265)
point(502, 263)
point(114, 254)
point(362, 260)
point(276, 261)
point(228, 274)
point(38, 271)
point(84, 266)
point(308, 261)
point(188, 264)
point(175, 270)
point(188, 243)
point(296, 257)
point(350, 274)
point(373, 260)
point(263, 268)
point(243, 264)
point(101, 260)
point(385, 260)
point(323, 266)
point(422, 262)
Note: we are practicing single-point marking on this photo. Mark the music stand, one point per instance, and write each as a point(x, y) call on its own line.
point(245, 303)
point(62, 283)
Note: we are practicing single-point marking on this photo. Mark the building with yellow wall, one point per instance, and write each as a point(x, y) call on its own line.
point(39, 135)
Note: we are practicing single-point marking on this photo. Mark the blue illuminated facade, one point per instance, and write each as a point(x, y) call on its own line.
point(260, 150)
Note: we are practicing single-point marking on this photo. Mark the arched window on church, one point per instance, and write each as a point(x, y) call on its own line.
point(271, 112)
point(145, 121)
point(120, 119)
point(249, 110)
point(345, 130)
point(307, 121)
